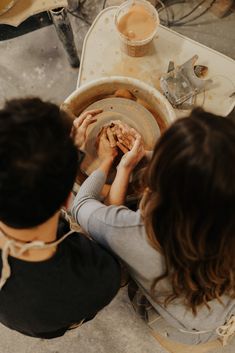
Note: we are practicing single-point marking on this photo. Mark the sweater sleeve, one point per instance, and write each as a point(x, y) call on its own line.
point(118, 229)
point(104, 223)
point(87, 199)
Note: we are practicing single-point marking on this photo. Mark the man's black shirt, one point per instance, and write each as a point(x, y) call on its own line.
point(43, 299)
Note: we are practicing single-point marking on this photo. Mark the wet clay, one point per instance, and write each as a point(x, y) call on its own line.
point(137, 24)
point(120, 136)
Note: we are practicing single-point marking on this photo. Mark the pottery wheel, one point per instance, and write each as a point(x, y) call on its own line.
point(129, 112)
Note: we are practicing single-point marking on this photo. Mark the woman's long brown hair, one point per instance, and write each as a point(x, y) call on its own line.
point(189, 208)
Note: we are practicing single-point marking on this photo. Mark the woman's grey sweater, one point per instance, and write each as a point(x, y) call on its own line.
point(122, 230)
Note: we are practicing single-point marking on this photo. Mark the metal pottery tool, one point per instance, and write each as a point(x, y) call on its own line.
point(181, 84)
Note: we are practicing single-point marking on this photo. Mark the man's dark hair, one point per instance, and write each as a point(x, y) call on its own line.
point(38, 161)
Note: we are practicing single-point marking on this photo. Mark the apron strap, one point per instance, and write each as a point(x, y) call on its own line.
point(227, 330)
point(17, 248)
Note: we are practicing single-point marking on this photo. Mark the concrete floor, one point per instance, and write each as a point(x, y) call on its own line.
point(36, 64)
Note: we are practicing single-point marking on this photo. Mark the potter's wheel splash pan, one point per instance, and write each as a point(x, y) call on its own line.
point(127, 111)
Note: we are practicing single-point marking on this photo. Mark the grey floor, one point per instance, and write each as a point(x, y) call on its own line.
point(36, 64)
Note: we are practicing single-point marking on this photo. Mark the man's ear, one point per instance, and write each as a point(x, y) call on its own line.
point(68, 201)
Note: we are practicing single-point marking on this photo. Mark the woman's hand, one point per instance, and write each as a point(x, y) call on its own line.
point(80, 125)
point(131, 158)
point(118, 190)
point(106, 146)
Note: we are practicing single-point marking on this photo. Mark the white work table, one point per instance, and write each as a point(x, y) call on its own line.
point(102, 57)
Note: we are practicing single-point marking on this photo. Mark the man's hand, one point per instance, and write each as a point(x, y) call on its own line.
point(80, 125)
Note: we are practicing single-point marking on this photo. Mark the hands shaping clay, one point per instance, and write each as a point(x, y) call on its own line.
point(119, 134)
point(123, 115)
